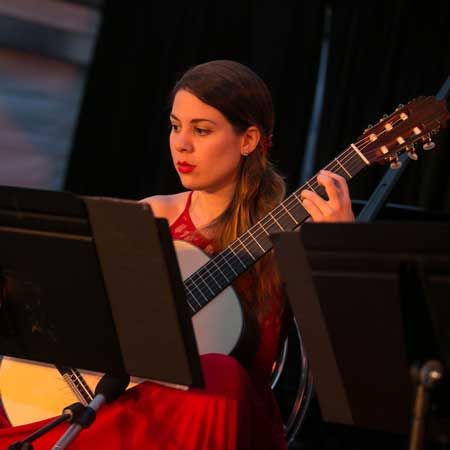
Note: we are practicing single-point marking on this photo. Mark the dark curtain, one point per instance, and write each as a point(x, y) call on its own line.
point(383, 54)
point(121, 144)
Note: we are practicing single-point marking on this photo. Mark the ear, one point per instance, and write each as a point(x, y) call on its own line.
point(250, 140)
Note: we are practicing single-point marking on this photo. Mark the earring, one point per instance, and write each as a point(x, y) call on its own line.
point(245, 153)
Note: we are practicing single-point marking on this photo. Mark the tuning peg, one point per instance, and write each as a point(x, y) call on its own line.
point(400, 106)
point(396, 163)
point(429, 145)
point(368, 127)
point(411, 152)
point(413, 155)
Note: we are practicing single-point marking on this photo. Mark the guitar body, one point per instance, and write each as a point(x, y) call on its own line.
point(219, 325)
point(33, 391)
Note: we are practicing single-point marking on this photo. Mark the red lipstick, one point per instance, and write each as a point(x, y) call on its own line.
point(185, 167)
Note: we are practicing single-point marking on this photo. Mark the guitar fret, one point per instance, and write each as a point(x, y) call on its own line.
point(219, 269)
point(187, 287)
point(253, 237)
point(228, 263)
point(199, 290)
point(265, 231)
point(246, 249)
point(238, 258)
point(77, 393)
point(290, 215)
point(343, 168)
point(189, 302)
point(298, 198)
point(276, 221)
point(211, 275)
point(310, 187)
point(76, 382)
point(250, 246)
point(191, 293)
point(207, 285)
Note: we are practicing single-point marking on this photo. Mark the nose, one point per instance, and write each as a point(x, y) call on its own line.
point(182, 142)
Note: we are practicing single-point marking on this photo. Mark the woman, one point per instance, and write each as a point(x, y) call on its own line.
point(221, 131)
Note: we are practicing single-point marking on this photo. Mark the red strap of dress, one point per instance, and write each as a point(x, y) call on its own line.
point(184, 229)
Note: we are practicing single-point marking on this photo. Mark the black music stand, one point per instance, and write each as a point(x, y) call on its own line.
point(371, 301)
point(92, 283)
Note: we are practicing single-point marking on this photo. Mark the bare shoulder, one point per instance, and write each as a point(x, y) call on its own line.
point(167, 206)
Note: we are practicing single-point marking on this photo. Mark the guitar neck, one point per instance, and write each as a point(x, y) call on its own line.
point(76, 382)
point(221, 270)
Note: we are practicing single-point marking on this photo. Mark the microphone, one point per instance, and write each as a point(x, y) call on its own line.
point(107, 390)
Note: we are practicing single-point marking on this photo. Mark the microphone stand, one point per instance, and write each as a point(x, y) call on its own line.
point(70, 414)
point(427, 377)
point(84, 421)
point(108, 389)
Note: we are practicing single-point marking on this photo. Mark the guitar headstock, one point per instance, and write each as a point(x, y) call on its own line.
point(402, 131)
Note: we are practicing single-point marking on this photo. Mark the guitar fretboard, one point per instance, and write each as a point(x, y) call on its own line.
point(221, 270)
point(76, 382)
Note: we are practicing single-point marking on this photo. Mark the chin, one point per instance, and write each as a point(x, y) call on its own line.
point(190, 185)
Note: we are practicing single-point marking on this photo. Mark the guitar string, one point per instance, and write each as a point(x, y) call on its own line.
point(73, 387)
point(314, 184)
point(239, 243)
point(76, 381)
point(82, 382)
point(248, 238)
point(224, 264)
point(336, 167)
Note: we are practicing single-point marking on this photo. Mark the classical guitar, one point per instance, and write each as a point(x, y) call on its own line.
point(33, 392)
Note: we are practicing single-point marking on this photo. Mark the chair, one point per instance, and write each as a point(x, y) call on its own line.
point(292, 382)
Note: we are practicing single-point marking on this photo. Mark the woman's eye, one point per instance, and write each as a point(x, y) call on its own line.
point(174, 127)
point(202, 131)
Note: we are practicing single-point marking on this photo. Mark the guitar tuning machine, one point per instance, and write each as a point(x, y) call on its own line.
point(368, 127)
point(400, 106)
point(411, 152)
point(395, 163)
point(428, 144)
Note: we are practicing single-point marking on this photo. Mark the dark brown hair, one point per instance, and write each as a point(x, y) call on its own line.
point(244, 99)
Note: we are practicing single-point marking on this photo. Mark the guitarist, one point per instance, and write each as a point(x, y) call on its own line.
point(221, 132)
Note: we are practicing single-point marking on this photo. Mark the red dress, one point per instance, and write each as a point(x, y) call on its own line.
point(235, 410)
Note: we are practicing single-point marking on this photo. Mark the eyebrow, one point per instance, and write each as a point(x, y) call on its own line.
point(194, 120)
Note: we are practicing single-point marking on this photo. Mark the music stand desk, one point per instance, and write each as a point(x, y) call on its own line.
point(343, 284)
point(93, 283)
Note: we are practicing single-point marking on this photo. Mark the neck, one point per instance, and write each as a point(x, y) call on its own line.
point(206, 206)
